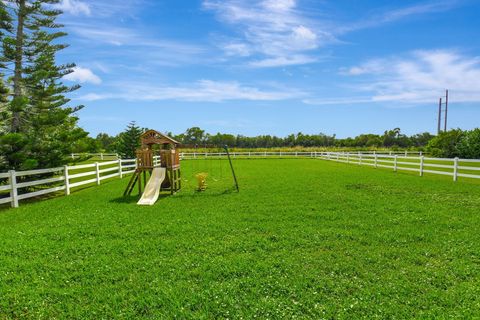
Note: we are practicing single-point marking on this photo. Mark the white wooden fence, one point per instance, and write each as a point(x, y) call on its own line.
point(404, 160)
point(68, 177)
point(60, 179)
point(276, 154)
point(101, 156)
point(468, 168)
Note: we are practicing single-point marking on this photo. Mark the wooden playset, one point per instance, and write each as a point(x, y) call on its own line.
point(157, 151)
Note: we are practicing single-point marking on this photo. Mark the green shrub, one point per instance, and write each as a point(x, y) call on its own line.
point(469, 145)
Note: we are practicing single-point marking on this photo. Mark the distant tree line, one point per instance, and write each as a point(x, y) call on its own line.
point(465, 144)
point(196, 137)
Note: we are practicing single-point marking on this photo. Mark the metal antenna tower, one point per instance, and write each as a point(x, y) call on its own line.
point(445, 112)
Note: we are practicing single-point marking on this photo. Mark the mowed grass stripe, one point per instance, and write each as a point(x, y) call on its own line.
point(303, 238)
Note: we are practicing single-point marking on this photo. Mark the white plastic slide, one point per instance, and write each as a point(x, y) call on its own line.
point(152, 189)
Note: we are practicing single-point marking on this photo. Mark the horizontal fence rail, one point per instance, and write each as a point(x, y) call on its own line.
point(276, 154)
point(20, 185)
point(101, 156)
point(467, 168)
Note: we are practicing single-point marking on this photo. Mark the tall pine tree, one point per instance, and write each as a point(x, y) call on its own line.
point(42, 128)
point(129, 141)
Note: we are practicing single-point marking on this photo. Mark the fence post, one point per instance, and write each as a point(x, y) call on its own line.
point(97, 172)
point(421, 165)
point(455, 169)
point(359, 158)
point(13, 191)
point(348, 157)
point(67, 180)
point(101, 156)
point(73, 156)
point(421, 153)
point(376, 160)
point(395, 163)
point(406, 154)
point(120, 171)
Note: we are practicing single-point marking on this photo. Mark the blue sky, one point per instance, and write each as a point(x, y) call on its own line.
point(274, 67)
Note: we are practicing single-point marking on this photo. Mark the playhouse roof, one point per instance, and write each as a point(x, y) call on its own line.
point(150, 137)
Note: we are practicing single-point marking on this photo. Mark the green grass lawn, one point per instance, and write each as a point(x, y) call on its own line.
point(304, 238)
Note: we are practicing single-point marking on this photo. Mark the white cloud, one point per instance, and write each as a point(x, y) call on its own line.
point(74, 7)
point(237, 49)
point(83, 75)
point(393, 15)
point(418, 78)
point(203, 90)
point(273, 30)
point(282, 61)
point(279, 5)
point(372, 66)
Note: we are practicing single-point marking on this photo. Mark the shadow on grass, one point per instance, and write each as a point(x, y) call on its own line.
point(134, 198)
point(191, 194)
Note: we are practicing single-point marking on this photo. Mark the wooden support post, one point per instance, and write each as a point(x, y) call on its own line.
point(13, 191)
point(179, 179)
point(67, 180)
point(376, 160)
point(395, 160)
point(139, 181)
point(101, 156)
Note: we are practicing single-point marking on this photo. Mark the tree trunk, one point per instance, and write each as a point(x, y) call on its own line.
point(17, 78)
